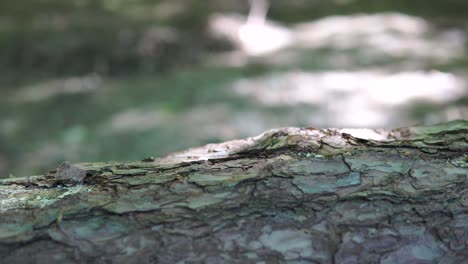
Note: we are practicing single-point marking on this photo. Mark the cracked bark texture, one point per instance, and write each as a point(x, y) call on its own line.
point(292, 195)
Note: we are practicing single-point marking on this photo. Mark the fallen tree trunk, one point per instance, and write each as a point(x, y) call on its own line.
point(288, 195)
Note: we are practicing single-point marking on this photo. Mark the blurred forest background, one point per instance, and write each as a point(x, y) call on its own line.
point(98, 80)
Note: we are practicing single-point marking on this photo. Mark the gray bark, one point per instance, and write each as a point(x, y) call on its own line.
point(287, 196)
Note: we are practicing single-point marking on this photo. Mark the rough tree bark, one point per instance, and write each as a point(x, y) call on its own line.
point(296, 195)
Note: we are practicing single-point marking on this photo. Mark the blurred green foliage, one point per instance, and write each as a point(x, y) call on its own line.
point(50, 38)
point(53, 37)
point(148, 53)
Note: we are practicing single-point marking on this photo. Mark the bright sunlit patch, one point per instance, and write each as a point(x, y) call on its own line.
point(325, 29)
point(378, 87)
point(258, 39)
point(361, 98)
point(403, 87)
point(254, 34)
point(391, 34)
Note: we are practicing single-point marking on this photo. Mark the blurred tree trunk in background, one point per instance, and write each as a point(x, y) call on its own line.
point(295, 195)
